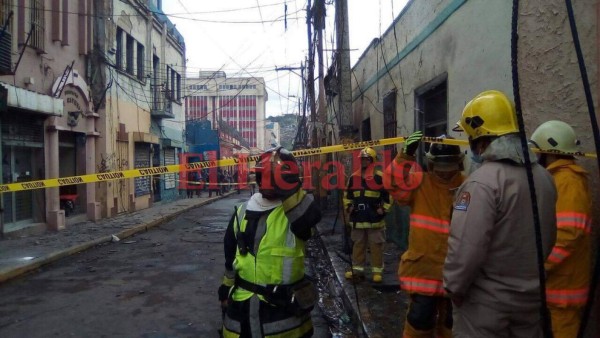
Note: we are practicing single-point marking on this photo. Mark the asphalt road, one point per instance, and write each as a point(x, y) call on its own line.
point(157, 284)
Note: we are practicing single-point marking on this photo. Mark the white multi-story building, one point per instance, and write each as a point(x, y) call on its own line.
point(272, 134)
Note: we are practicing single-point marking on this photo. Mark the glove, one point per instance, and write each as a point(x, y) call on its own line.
point(412, 143)
point(226, 285)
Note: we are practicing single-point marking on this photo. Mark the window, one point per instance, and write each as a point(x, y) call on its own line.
point(119, 48)
point(432, 110)
point(366, 130)
point(140, 62)
point(389, 121)
point(37, 24)
point(129, 54)
point(6, 39)
point(173, 90)
point(178, 87)
point(173, 79)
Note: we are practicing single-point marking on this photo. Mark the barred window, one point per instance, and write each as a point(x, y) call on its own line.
point(37, 24)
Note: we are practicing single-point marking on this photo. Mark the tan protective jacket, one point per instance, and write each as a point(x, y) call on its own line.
point(492, 256)
point(420, 269)
point(568, 266)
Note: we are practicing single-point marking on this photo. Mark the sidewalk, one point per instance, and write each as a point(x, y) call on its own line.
point(28, 252)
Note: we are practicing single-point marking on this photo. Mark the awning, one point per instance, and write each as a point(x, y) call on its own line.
point(29, 100)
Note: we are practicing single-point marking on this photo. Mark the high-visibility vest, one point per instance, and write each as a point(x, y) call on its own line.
point(279, 258)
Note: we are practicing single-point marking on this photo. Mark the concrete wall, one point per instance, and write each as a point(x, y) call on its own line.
point(551, 86)
point(462, 40)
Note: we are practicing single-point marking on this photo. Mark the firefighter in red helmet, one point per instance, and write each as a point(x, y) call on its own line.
point(264, 290)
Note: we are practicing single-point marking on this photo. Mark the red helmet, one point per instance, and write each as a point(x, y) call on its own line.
point(277, 173)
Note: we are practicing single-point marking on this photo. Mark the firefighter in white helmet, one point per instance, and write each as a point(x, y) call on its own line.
point(568, 267)
point(491, 269)
point(430, 195)
point(366, 202)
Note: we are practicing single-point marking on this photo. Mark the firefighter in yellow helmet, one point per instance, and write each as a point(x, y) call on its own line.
point(366, 202)
point(264, 291)
point(569, 264)
point(430, 195)
point(491, 269)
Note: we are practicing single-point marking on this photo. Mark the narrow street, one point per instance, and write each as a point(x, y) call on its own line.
point(161, 283)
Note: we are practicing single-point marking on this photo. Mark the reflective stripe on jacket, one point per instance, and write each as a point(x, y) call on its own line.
point(420, 269)
point(568, 265)
point(366, 194)
point(279, 256)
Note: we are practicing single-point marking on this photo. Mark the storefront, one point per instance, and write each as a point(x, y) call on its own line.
point(22, 149)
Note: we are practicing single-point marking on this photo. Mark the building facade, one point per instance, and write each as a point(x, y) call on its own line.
point(90, 86)
point(239, 101)
point(272, 134)
point(138, 67)
point(49, 125)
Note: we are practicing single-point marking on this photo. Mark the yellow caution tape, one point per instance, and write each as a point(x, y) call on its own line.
point(177, 168)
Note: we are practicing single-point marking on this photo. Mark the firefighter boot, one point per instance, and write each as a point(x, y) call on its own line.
point(411, 332)
point(355, 275)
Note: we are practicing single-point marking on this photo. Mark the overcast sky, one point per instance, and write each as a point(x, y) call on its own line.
point(249, 38)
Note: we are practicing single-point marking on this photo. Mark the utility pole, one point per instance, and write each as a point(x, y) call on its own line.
point(310, 90)
point(319, 23)
point(343, 66)
point(310, 79)
point(318, 16)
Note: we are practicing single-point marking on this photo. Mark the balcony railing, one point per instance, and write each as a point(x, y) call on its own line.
point(162, 106)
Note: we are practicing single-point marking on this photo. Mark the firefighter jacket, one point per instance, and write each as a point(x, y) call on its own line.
point(492, 254)
point(568, 266)
point(421, 265)
point(365, 193)
point(264, 248)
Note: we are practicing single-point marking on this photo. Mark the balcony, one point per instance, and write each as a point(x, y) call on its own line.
point(162, 106)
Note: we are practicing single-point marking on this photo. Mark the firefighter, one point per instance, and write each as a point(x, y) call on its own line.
point(264, 291)
point(420, 271)
point(569, 264)
point(366, 201)
point(491, 269)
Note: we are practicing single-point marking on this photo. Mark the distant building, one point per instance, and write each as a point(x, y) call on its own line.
point(272, 134)
point(239, 101)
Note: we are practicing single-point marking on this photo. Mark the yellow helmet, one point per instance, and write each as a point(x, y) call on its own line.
point(555, 135)
point(369, 152)
point(490, 113)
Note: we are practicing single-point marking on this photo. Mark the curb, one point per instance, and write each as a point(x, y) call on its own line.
point(10, 273)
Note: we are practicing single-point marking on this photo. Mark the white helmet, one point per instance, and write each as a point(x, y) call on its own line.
point(555, 135)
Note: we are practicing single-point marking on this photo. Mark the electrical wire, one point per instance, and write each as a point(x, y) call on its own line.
point(545, 315)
